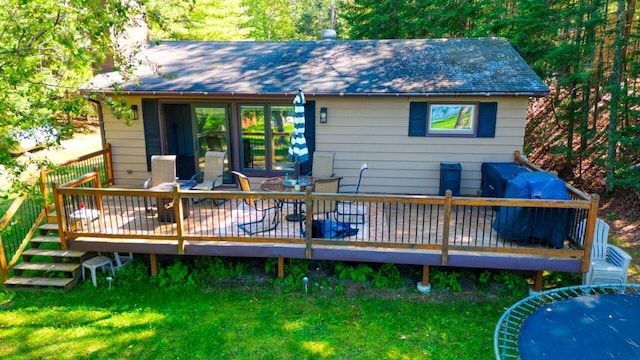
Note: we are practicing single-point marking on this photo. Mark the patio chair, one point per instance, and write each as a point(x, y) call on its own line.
point(213, 174)
point(354, 188)
point(348, 210)
point(609, 264)
point(214, 143)
point(163, 169)
point(326, 207)
point(322, 165)
point(268, 214)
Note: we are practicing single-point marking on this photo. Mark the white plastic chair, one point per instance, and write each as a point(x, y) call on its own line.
point(121, 261)
point(609, 264)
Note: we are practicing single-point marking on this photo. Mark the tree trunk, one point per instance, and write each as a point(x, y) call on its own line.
point(616, 78)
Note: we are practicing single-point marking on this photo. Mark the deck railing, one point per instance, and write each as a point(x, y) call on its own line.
point(442, 224)
point(170, 221)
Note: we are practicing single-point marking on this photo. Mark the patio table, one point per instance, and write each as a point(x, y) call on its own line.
point(166, 213)
point(86, 217)
point(283, 184)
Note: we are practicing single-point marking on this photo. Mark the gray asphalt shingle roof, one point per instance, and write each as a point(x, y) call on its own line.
point(480, 66)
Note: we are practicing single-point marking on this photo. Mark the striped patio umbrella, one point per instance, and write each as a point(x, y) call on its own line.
point(298, 151)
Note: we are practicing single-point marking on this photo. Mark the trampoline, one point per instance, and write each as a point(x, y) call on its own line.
point(578, 322)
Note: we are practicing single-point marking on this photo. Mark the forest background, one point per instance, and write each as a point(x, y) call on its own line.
point(587, 52)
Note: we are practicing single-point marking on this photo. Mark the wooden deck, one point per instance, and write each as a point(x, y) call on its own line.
point(426, 230)
point(422, 230)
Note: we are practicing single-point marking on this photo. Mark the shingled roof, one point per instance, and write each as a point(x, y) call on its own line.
point(479, 66)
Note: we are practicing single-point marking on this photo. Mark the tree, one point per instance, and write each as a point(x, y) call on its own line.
point(47, 49)
point(280, 20)
point(270, 19)
point(200, 20)
point(586, 50)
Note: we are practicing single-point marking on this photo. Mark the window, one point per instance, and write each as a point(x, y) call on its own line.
point(452, 119)
point(266, 137)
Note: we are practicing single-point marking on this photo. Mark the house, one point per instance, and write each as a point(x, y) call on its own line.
point(403, 106)
point(406, 107)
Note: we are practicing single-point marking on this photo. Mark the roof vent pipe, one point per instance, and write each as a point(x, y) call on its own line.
point(329, 35)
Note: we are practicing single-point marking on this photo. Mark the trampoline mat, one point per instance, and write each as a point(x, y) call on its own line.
point(604, 326)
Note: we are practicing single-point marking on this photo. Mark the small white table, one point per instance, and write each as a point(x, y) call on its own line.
point(94, 263)
point(85, 216)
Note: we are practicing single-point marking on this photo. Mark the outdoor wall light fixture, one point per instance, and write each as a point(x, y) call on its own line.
point(323, 115)
point(134, 112)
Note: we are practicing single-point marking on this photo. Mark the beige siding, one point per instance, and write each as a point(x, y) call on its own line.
point(129, 159)
point(371, 129)
point(375, 130)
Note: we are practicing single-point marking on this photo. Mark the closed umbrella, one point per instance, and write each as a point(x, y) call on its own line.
point(298, 151)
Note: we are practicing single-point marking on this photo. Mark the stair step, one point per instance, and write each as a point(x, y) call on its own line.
point(52, 217)
point(44, 239)
point(18, 281)
point(62, 267)
point(45, 229)
point(50, 252)
point(54, 253)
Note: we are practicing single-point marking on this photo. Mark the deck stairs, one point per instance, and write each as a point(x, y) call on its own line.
point(45, 265)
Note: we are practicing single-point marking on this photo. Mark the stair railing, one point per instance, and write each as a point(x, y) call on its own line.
point(30, 208)
point(18, 225)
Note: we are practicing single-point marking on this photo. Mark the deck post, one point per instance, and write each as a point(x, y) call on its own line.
point(308, 225)
point(590, 227)
point(179, 211)
point(281, 267)
point(424, 286)
point(44, 189)
point(153, 264)
point(4, 272)
point(109, 163)
point(537, 281)
point(425, 274)
point(445, 228)
point(60, 215)
point(97, 183)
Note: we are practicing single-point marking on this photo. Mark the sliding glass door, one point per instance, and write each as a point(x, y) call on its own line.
point(266, 132)
point(212, 123)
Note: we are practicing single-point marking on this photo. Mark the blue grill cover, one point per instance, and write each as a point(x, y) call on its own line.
point(495, 177)
point(534, 224)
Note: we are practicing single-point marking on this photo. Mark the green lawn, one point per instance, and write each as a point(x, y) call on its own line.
point(246, 319)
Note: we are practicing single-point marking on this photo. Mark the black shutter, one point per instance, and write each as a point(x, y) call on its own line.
point(151, 129)
point(487, 113)
point(309, 134)
point(418, 119)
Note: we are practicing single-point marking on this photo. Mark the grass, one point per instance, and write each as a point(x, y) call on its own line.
point(248, 319)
